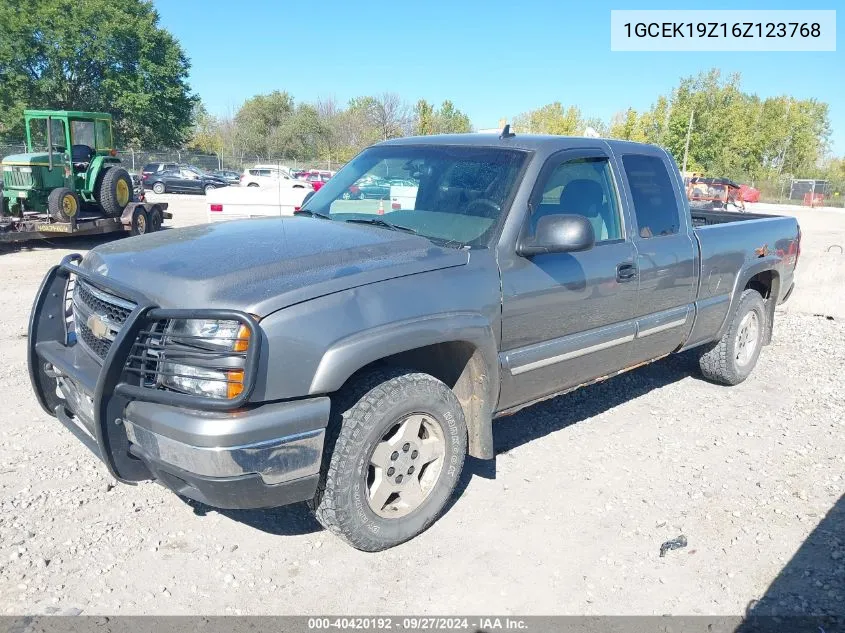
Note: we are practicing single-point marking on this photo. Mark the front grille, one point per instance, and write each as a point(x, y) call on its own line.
point(111, 310)
point(14, 178)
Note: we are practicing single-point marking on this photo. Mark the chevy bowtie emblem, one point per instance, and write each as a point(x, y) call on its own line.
point(99, 327)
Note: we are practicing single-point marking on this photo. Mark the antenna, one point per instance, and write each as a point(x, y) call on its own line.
point(506, 132)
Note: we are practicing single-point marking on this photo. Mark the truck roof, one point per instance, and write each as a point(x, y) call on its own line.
point(70, 114)
point(545, 142)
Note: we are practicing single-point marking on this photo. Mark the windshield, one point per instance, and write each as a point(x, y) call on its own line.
point(450, 193)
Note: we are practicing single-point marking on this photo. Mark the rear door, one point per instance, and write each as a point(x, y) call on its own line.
point(666, 253)
point(567, 318)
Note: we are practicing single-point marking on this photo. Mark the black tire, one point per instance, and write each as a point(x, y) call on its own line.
point(362, 416)
point(722, 362)
point(156, 219)
point(63, 204)
point(115, 191)
point(208, 188)
point(252, 184)
point(140, 222)
point(159, 188)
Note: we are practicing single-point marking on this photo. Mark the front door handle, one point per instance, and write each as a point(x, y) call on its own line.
point(626, 272)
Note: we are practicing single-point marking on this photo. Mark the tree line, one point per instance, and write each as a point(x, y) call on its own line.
point(274, 125)
point(115, 57)
point(732, 133)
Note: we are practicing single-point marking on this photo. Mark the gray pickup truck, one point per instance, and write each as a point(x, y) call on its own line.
point(351, 356)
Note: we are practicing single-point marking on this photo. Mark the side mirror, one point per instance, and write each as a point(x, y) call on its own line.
point(558, 234)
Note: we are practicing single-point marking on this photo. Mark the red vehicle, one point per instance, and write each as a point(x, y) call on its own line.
point(749, 193)
point(318, 178)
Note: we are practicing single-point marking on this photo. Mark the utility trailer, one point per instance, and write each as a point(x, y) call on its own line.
point(138, 218)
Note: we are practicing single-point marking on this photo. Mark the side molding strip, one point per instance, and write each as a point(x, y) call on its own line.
point(661, 328)
point(545, 362)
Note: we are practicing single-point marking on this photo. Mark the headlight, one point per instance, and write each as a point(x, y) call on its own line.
point(209, 333)
point(204, 357)
point(211, 383)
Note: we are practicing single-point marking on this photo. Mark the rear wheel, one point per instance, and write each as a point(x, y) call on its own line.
point(399, 449)
point(252, 184)
point(158, 187)
point(115, 191)
point(732, 359)
point(209, 188)
point(140, 222)
point(63, 204)
point(156, 219)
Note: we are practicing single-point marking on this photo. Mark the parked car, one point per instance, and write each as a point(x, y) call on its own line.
point(353, 359)
point(230, 176)
point(153, 168)
point(137, 188)
point(372, 188)
point(271, 176)
point(183, 180)
point(318, 179)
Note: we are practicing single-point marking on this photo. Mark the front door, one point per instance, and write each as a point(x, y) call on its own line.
point(567, 318)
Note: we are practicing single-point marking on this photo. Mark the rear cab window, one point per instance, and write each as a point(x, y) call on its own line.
point(654, 200)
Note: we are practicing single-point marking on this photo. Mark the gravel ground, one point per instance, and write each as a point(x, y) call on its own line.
point(569, 518)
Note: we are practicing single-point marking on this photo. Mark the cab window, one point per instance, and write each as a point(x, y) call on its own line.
point(104, 137)
point(82, 133)
point(38, 134)
point(585, 187)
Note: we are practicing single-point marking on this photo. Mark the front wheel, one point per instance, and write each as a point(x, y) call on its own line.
point(158, 187)
point(208, 189)
point(731, 360)
point(398, 453)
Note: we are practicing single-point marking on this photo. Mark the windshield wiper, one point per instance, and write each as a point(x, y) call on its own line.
point(312, 214)
point(384, 223)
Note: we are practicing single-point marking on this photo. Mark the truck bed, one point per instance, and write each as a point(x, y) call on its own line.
point(709, 218)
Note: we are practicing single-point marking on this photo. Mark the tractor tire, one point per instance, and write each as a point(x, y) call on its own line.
point(115, 191)
point(371, 495)
point(63, 204)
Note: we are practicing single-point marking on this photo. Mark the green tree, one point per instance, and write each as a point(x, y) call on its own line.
point(95, 55)
point(551, 119)
point(263, 123)
point(207, 134)
point(450, 120)
point(424, 119)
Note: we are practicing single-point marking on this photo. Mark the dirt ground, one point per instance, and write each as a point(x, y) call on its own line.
point(568, 519)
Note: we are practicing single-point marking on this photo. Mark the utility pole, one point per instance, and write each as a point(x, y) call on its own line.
point(686, 147)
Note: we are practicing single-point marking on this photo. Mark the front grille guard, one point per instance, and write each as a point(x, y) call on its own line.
point(116, 387)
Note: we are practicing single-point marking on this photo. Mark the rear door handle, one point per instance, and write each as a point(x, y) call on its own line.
point(626, 272)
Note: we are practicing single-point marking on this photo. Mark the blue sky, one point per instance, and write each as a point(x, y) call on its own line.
point(493, 59)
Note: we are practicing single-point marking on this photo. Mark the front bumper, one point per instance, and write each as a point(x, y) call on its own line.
point(253, 456)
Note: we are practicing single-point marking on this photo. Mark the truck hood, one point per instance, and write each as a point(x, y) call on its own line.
point(262, 265)
point(35, 158)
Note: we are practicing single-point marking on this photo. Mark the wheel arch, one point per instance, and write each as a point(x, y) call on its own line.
point(763, 277)
point(458, 349)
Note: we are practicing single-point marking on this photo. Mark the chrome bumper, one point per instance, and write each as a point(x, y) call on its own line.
point(275, 461)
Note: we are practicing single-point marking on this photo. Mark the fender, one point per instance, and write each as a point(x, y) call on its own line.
point(96, 169)
point(350, 354)
point(758, 266)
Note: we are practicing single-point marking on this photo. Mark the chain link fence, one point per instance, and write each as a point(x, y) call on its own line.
point(136, 159)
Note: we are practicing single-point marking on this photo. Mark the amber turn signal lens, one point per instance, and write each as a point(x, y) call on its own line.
point(235, 386)
point(242, 342)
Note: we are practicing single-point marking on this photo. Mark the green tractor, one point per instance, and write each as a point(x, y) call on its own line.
point(70, 164)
